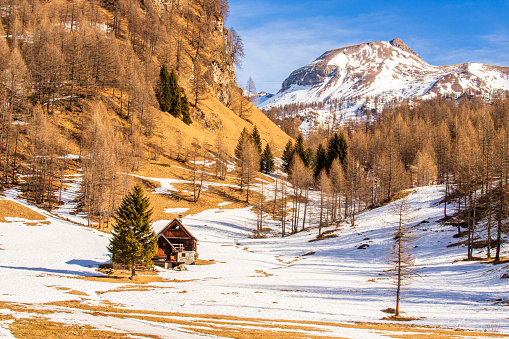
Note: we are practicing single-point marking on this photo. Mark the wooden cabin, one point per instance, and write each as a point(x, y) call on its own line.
point(175, 246)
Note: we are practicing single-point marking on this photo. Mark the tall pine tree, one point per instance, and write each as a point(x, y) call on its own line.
point(267, 160)
point(186, 115)
point(288, 156)
point(337, 149)
point(133, 242)
point(257, 140)
point(309, 156)
point(175, 108)
point(320, 161)
point(299, 147)
point(163, 92)
point(171, 98)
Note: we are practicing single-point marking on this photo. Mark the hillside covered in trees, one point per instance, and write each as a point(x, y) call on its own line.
point(82, 86)
point(462, 144)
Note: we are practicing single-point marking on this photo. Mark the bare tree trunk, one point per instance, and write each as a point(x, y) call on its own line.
point(321, 216)
point(202, 172)
point(260, 211)
point(275, 196)
point(305, 209)
point(283, 208)
point(446, 195)
point(398, 288)
point(488, 254)
point(14, 166)
point(500, 214)
point(194, 169)
point(469, 228)
point(459, 213)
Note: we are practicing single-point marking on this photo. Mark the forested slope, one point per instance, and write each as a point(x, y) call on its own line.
point(462, 144)
point(83, 78)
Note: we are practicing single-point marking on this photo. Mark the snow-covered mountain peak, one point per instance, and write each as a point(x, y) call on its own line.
point(353, 62)
point(359, 76)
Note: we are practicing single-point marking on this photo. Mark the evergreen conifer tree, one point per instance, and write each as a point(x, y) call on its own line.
point(163, 92)
point(267, 160)
point(308, 157)
point(257, 140)
point(320, 161)
point(299, 147)
point(287, 156)
point(133, 240)
point(175, 108)
point(337, 148)
point(186, 115)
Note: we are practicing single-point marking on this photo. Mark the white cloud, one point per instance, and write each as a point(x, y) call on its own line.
point(276, 49)
point(277, 45)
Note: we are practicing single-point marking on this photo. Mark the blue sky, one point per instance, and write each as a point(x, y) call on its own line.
point(281, 36)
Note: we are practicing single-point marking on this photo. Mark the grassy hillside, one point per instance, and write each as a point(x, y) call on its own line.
point(82, 78)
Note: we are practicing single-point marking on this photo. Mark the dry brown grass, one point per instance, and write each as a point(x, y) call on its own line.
point(75, 292)
point(13, 209)
point(323, 237)
point(210, 198)
point(211, 324)
point(228, 326)
point(230, 123)
point(39, 223)
point(124, 280)
point(425, 332)
point(397, 196)
point(43, 328)
point(400, 318)
point(61, 288)
point(503, 260)
point(134, 288)
point(6, 317)
point(124, 277)
point(204, 262)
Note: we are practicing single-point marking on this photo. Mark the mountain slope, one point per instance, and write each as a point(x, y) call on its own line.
point(383, 71)
point(83, 78)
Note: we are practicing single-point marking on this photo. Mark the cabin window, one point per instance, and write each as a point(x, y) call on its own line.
point(183, 255)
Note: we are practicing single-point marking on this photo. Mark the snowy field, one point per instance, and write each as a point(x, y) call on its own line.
point(287, 278)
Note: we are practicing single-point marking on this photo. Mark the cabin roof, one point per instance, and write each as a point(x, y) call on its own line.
point(175, 223)
point(169, 242)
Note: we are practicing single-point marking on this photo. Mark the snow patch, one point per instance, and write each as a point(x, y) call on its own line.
point(176, 210)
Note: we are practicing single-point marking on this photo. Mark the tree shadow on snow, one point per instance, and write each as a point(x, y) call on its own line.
point(49, 270)
point(85, 263)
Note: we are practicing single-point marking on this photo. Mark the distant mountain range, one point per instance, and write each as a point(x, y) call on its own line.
point(368, 75)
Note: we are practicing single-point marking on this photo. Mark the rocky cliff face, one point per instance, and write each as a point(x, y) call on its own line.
point(383, 71)
point(202, 38)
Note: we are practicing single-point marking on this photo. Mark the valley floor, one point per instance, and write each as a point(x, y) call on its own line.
point(269, 287)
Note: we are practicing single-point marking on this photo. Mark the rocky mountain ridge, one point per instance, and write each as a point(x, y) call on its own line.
point(368, 75)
